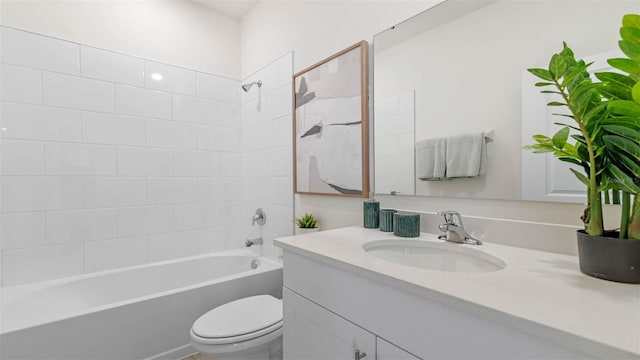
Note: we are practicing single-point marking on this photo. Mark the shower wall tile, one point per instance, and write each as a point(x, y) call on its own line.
point(172, 245)
point(80, 159)
point(102, 128)
point(35, 193)
point(115, 253)
point(135, 161)
point(217, 88)
point(103, 167)
point(41, 263)
point(217, 138)
point(169, 78)
point(40, 52)
point(188, 216)
point(171, 134)
point(20, 84)
point(21, 157)
point(145, 220)
point(102, 192)
point(36, 122)
point(22, 230)
point(77, 93)
point(81, 225)
point(172, 190)
point(193, 109)
point(141, 102)
point(230, 164)
point(196, 163)
point(111, 66)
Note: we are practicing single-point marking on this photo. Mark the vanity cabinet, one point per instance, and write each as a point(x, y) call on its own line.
point(331, 310)
point(312, 332)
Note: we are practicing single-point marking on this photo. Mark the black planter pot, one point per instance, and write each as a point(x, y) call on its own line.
point(609, 258)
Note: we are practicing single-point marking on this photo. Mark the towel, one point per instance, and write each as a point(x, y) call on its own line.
point(431, 159)
point(466, 155)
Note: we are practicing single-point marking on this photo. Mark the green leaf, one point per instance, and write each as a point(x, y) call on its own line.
point(615, 78)
point(626, 65)
point(630, 49)
point(541, 73)
point(567, 125)
point(539, 84)
point(550, 92)
point(631, 20)
point(557, 66)
point(623, 180)
point(570, 160)
point(631, 166)
point(635, 92)
point(630, 34)
point(560, 138)
point(580, 177)
point(623, 131)
point(629, 146)
point(556, 103)
point(625, 107)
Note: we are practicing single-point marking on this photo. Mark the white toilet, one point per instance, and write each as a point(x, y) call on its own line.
point(248, 328)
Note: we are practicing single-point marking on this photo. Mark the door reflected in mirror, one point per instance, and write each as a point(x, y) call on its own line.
point(453, 105)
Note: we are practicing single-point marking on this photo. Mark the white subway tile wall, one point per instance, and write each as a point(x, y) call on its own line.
point(110, 160)
point(267, 151)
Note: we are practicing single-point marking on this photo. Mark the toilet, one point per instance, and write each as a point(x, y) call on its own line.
point(247, 329)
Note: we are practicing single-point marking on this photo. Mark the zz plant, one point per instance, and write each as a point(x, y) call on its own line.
point(605, 117)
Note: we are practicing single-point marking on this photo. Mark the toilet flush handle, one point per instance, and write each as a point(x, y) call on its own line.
point(359, 355)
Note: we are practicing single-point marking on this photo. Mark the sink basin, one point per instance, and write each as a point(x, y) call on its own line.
point(434, 256)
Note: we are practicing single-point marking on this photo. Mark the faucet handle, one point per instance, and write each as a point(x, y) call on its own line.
point(450, 217)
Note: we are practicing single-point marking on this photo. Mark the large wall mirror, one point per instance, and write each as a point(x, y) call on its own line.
point(453, 79)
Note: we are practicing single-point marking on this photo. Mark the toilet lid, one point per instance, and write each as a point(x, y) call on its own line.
point(240, 317)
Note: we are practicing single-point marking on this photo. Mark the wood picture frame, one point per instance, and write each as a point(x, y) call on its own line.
point(331, 125)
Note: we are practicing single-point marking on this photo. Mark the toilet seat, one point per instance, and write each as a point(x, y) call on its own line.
point(241, 320)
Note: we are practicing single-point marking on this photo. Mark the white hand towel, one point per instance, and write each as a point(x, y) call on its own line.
point(466, 155)
point(431, 159)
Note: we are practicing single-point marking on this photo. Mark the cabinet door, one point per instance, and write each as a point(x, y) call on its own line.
point(313, 332)
point(387, 351)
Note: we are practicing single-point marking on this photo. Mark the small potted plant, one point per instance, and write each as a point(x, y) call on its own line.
point(307, 224)
point(605, 118)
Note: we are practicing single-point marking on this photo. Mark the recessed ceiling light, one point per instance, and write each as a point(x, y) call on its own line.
point(156, 76)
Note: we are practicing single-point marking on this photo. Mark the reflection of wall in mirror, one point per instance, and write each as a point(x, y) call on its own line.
point(394, 139)
point(467, 77)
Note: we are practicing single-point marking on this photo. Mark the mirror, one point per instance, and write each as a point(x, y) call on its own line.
point(455, 75)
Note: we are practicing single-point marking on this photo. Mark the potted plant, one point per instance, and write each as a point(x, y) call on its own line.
point(605, 117)
point(307, 224)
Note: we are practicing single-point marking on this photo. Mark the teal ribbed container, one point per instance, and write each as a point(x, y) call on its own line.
point(371, 212)
point(386, 219)
point(406, 225)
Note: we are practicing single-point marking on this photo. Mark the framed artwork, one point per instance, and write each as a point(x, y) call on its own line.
point(331, 125)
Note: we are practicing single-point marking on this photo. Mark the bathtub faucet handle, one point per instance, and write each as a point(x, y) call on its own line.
point(259, 217)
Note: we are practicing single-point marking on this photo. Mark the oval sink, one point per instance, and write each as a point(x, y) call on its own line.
point(434, 256)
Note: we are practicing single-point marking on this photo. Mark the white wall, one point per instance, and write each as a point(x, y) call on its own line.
point(315, 30)
point(105, 167)
point(173, 32)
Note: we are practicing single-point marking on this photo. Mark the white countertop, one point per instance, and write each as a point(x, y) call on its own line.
point(538, 292)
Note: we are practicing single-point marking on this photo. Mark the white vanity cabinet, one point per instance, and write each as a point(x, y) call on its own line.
point(330, 312)
point(312, 332)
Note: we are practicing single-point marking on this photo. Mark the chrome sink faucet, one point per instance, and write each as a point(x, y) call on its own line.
point(453, 229)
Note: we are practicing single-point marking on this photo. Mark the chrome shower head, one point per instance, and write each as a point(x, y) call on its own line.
point(246, 87)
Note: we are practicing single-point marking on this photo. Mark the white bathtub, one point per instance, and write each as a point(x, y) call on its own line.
point(138, 312)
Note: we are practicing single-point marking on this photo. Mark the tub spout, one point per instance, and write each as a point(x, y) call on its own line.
point(256, 241)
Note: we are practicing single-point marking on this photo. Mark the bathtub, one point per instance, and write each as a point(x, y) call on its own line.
point(139, 312)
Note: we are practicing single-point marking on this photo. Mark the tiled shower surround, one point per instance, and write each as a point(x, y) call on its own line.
point(110, 160)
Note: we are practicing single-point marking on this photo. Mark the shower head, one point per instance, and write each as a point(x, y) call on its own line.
point(246, 87)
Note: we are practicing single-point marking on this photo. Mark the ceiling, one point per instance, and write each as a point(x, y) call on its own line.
point(236, 9)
